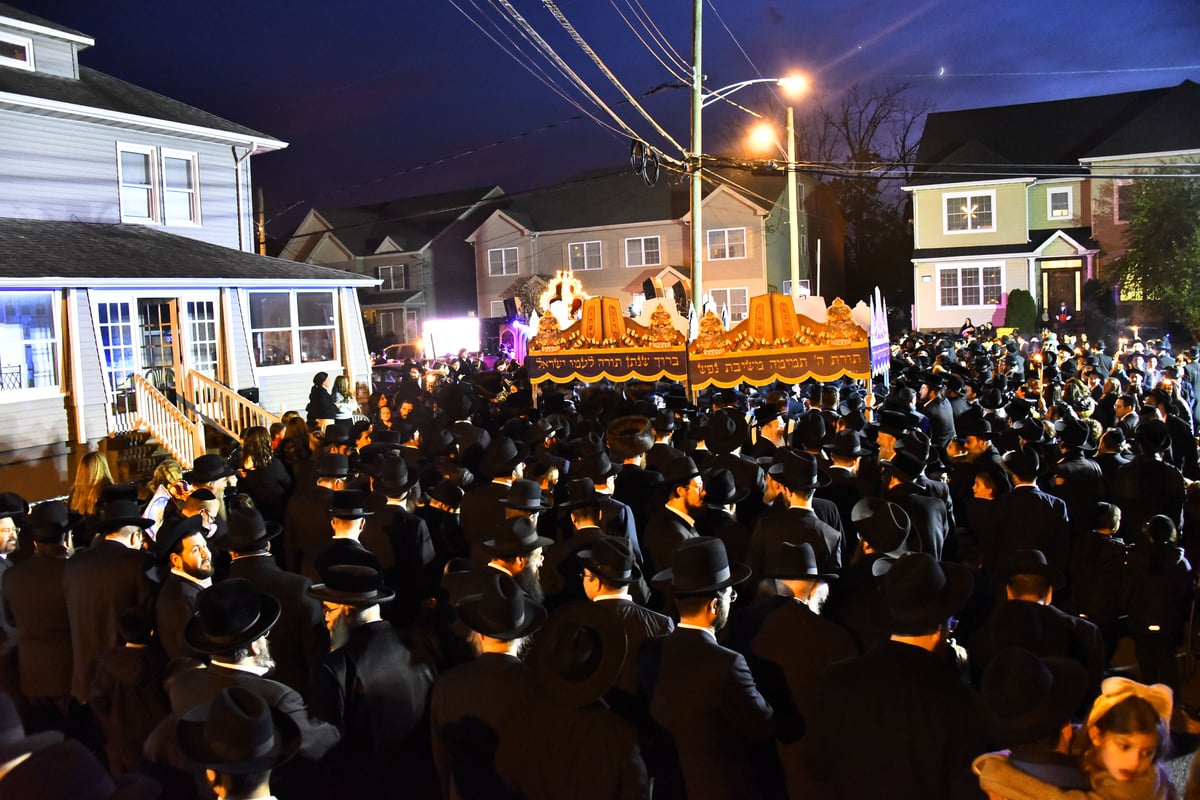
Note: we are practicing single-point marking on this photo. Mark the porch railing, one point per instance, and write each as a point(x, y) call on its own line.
point(222, 407)
point(181, 437)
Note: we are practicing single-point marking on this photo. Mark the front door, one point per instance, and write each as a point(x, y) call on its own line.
point(1061, 285)
point(158, 320)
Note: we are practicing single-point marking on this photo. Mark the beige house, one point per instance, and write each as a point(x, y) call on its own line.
point(1029, 197)
point(615, 232)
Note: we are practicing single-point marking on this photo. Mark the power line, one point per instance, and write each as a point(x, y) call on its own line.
point(670, 68)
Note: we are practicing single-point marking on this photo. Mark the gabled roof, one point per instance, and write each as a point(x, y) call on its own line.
point(1037, 240)
point(410, 222)
point(93, 254)
point(97, 91)
point(7, 12)
point(1051, 137)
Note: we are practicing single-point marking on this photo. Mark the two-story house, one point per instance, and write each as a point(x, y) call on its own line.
point(1029, 196)
point(128, 261)
point(415, 246)
point(615, 232)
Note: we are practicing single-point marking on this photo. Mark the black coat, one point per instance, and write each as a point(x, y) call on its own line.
point(401, 541)
point(269, 486)
point(128, 701)
point(481, 512)
point(342, 551)
point(640, 624)
point(795, 525)
point(174, 607)
point(1044, 630)
point(1028, 519)
point(665, 531)
point(101, 583)
point(941, 421)
point(1146, 487)
point(307, 529)
point(35, 604)
point(637, 488)
point(930, 517)
point(320, 405)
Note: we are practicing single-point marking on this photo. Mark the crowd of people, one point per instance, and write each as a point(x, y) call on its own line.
point(469, 588)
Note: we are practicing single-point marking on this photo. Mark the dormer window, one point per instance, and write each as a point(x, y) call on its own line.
point(158, 186)
point(16, 51)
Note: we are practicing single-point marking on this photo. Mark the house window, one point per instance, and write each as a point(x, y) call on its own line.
point(158, 186)
point(114, 325)
point(970, 212)
point(583, 255)
point(972, 286)
point(1058, 204)
point(28, 341)
point(181, 201)
point(642, 252)
point(202, 316)
point(1123, 203)
point(296, 327)
point(502, 261)
point(393, 278)
point(736, 301)
point(16, 51)
point(496, 309)
point(726, 243)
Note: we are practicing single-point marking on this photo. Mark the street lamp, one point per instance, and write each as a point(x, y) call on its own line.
point(793, 86)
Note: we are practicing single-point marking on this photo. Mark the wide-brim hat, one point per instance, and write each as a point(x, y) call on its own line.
point(1075, 433)
point(847, 443)
point(247, 530)
point(118, 513)
point(679, 470)
point(395, 478)
point(525, 495)
point(581, 492)
point(515, 537)
point(208, 468)
point(352, 585)
point(237, 732)
point(725, 431)
point(791, 561)
point(502, 456)
point(919, 593)
point(349, 504)
point(13, 740)
point(167, 540)
point(336, 433)
point(1023, 462)
point(596, 466)
point(12, 505)
point(501, 609)
point(720, 488)
point(612, 558)
point(448, 492)
point(335, 465)
point(434, 440)
point(1032, 562)
point(1026, 698)
point(851, 402)
point(810, 430)
point(1153, 436)
point(882, 524)
point(579, 653)
point(975, 425)
point(897, 423)
point(51, 519)
point(1029, 430)
point(229, 614)
point(700, 566)
point(797, 470)
point(905, 465)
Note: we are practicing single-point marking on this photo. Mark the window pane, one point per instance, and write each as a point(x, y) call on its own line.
point(135, 168)
point(270, 310)
point(651, 250)
point(956, 213)
point(177, 172)
point(316, 345)
point(273, 348)
point(28, 346)
point(314, 308)
point(135, 202)
point(737, 243)
point(178, 206)
point(983, 211)
point(633, 253)
point(949, 286)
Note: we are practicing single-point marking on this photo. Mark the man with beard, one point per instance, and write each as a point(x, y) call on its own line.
point(516, 550)
point(186, 553)
point(675, 522)
point(702, 694)
point(348, 514)
point(13, 508)
point(369, 688)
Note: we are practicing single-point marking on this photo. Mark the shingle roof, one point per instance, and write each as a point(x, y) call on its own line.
point(1037, 238)
point(86, 253)
point(24, 16)
point(411, 222)
point(96, 90)
point(1051, 137)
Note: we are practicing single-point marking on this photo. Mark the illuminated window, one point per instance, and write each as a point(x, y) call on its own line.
point(583, 255)
point(29, 347)
point(1058, 204)
point(643, 252)
point(726, 243)
point(502, 261)
point(737, 301)
point(969, 212)
point(1123, 204)
point(970, 286)
point(293, 327)
point(16, 51)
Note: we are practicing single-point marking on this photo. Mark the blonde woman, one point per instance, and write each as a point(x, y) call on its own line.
point(92, 477)
point(168, 490)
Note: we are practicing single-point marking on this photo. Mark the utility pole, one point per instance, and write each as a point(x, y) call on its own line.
point(694, 160)
point(793, 203)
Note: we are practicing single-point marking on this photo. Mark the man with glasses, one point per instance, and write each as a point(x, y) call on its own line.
point(701, 694)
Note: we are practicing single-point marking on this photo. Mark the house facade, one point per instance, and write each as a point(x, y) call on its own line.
point(615, 233)
point(128, 255)
point(1028, 197)
point(415, 247)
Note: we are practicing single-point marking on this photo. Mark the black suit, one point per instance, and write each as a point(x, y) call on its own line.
point(401, 541)
point(1045, 631)
point(930, 516)
point(795, 525)
point(34, 603)
point(1145, 487)
point(342, 551)
point(640, 624)
point(101, 583)
point(844, 490)
point(299, 639)
point(941, 421)
point(481, 512)
point(894, 723)
point(307, 528)
point(637, 488)
point(1028, 519)
point(174, 607)
point(704, 697)
point(665, 531)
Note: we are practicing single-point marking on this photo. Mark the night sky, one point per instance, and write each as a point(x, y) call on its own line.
point(386, 99)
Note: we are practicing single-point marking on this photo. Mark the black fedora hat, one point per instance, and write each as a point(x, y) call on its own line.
point(525, 495)
point(810, 431)
point(515, 537)
point(1029, 430)
point(791, 561)
point(12, 505)
point(229, 614)
point(1023, 463)
point(581, 492)
point(578, 654)
point(725, 431)
point(596, 466)
point(502, 456)
point(448, 493)
point(13, 740)
point(905, 465)
point(700, 566)
point(350, 505)
point(51, 519)
point(237, 732)
point(919, 593)
point(882, 524)
point(1153, 436)
point(679, 470)
point(611, 557)
point(167, 540)
point(720, 489)
point(352, 585)
point(336, 433)
point(247, 530)
point(395, 478)
point(333, 465)
point(1026, 698)
point(434, 440)
point(208, 468)
point(1032, 562)
point(1075, 433)
point(501, 609)
point(896, 423)
point(847, 444)
point(119, 512)
point(975, 425)
point(797, 470)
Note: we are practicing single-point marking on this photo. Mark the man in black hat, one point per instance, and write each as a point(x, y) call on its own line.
point(188, 568)
point(369, 687)
point(516, 550)
point(299, 640)
point(476, 709)
point(1076, 478)
point(702, 694)
point(929, 515)
point(724, 436)
point(845, 486)
point(440, 512)
point(102, 581)
point(306, 522)
point(1027, 518)
point(1150, 485)
point(718, 518)
point(210, 471)
point(792, 480)
point(675, 521)
point(482, 505)
point(1183, 453)
point(348, 514)
point(902, 703)
point(663, 452)
point(937, 410)
point(788, 646)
